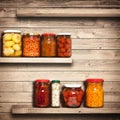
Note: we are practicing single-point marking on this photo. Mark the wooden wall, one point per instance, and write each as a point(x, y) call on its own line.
point(95, 48)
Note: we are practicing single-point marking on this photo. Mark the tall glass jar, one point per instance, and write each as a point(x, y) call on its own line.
point(31, 45)
point(11, 43)
point(42, 93)
point(72, 95)
point(64, 44)
point(48, 45)
point(94, 93)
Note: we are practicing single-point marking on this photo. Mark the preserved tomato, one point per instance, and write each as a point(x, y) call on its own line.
point(72, 95)
point(42, 93)
point(31, 45)
point(94, 93)
point(48, 45)
point(64, 44)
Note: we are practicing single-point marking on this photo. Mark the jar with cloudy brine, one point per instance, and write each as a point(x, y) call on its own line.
point(11, 43)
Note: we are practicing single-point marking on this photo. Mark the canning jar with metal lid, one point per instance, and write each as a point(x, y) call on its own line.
point(72, 95)
point(31, 45)
point(11, 43)
point(94, 92)
point(42, 93)
point(64, 44)
point(48, 45)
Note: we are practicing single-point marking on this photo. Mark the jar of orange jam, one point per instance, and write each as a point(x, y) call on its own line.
point(94, 93)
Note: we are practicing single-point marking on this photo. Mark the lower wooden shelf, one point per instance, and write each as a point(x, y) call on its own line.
point(34, 60)
point(23, 109)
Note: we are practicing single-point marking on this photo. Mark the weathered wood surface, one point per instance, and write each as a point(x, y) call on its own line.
point(63, 3)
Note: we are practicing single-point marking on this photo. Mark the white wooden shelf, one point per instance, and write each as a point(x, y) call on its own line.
point(34, 60)
point(21, 109)
point(67, 12)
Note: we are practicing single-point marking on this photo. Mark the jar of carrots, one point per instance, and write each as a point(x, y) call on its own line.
point(72, 95)
point(31, 45)
point(48, 45)
point(64, 44)
point(94, 93)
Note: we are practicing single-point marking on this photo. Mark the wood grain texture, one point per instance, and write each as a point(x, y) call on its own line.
point(67, 12)
point(61, 3)
point(64, 76)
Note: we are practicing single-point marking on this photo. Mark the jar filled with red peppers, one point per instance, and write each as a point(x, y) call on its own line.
point(42, 93)
point(64, 44)
point(48, 45)
point(72, 95)
point(31, 45)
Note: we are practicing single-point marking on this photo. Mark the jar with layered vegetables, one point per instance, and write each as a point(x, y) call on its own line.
point(42, 93)
point(48, 45)
point(72, 95)
point(64, 44)
point(31, 45)
point(11, 43)
point(94, 93)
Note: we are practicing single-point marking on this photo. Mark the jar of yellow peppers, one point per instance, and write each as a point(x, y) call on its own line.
point(94, 93)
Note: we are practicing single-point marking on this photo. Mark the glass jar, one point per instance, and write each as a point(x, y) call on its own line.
point(11, 43)
point(31, 45)
point(48, 45)
point(94, 93)
point(42, 93)
point(72, 95)
point(64, 44)
point(55, 93)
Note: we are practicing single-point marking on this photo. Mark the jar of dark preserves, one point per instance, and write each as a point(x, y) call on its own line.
point(48, 45)
point(42, 93)
point(11, 43)
point(64, 44)
point(31, 45)
point(72, 95)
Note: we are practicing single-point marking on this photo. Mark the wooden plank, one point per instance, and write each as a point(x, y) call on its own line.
point(30, 110)
point(56, 22)
point(28, 76)
point(7, 107)
point(67, 12)
point(9, 116)
point(35, 60)
point(78, 65)
point(28, 97)
point(65, 3)
point(75, 33)
point(28, 86)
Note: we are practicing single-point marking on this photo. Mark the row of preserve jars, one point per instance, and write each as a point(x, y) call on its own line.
point(15, 44)
point(71, 94)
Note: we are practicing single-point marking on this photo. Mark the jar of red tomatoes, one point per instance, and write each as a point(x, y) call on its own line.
point(31, 45)
point(48, 45)
point(72, 95)
point(64, 44)
point(42, 93)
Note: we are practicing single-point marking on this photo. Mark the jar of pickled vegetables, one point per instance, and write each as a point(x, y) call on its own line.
point(48, 45)
point(11, 43)
point(94, 93)
point(42, 93)
point(72, 95)
point(64, 44)
point(31, 45)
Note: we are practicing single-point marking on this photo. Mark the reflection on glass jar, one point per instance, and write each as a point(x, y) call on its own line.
point(94, 93)
point(42, 93)
point(64, 44)
point(31, 45)
point(72, 95)
point(48, 45)
point(11, 43)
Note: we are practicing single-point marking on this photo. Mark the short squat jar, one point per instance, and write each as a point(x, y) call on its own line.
point(11, 43)
point(94, 93)
point(42, 93)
